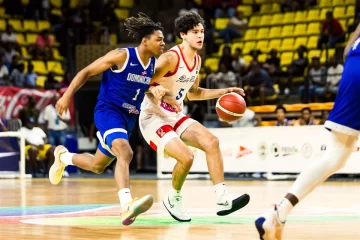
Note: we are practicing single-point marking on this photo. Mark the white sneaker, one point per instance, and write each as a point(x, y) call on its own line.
point(227, 204)
point(269, 225)
point(176, 208)
point(132, 209)
point(57, 169)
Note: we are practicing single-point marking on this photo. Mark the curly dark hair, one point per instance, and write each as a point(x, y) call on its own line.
point(141, 26)
point(187, 22)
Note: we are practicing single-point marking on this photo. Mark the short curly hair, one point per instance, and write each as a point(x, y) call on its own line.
point(187, 22)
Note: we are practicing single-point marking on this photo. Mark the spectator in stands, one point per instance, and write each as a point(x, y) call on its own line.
point(9, 36)
point(333, 78)
point(250, 119)
point(258, 83)
point(316, 78)
point(331, 32)
point(238, 63)
point(235, 29)
point(297, 67)
point(17, 76)
point(9, 53)
point(29, 111)
point(66, 80)
point(225, 78)
point(51, 82)
point(14, 63)
point(191, 6)
point(43, 46)
point(281, 119)
point(56, 127)
point(37, 149)
point(306, 117)
point(272, 64)
point(209, 32)
point(323, 117)
point(226, 58)
point(4, 74)
point(255, 53)
point(30, 77)
point(226, 9)
point(3, 127)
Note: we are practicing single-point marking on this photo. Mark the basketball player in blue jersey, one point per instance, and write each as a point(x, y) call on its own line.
point(343, 125)
point(126, 76)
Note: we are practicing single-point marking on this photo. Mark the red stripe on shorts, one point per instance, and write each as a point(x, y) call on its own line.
point(177, 125)
point(163, 130)
point(153, 145)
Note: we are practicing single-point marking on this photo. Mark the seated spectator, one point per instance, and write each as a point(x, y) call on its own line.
point(66, 80)
point(333, 78)
point(226, 9)
point(255, 53)
point(324, 116)
point(306, 117)
point(4, 74)
point(56, 126)
point(259, 83)
point(224, 78)
point(43, 45)
point(30, 77)
point(238, 63)
point(272, 64)
point(14, 63)
point(9, 36)
point(226, 58)
point(235, 29)
point(297, 67)
point(9, 53)
point(191, 6)
point(331, 32)
point(29, 111)
point(281, 119)
point(37, 149)
point(316, 78)
point(17, 76)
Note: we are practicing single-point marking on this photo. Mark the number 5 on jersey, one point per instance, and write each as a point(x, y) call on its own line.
point(180, 94)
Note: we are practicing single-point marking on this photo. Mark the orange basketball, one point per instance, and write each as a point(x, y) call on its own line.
point(230, 107)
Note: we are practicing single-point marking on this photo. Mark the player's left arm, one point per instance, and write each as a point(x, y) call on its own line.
point(197, 93)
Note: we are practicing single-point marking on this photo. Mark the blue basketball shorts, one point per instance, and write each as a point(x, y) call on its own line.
point(345, 115)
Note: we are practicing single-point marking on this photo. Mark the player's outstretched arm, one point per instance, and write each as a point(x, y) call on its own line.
point(352, 40)
point(112, 58)
point(165, 64)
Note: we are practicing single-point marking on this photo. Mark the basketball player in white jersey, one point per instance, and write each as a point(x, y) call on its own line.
point(168, 130)
point(344, 128)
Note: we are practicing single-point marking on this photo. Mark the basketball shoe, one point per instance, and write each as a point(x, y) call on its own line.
point(131, 210)
point(269, 226)
point(175, 207)
point(57, 169)
point(227, 203)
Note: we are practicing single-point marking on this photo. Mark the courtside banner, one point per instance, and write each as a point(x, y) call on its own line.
point(14, 99)
point(267, 149)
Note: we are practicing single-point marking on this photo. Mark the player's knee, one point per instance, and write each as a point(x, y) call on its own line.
point(98, 168)
point(211, 144)
point(188, 158)
point(122, 150)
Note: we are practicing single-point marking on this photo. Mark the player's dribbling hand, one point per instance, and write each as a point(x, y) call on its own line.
point(236, 90)
point(158, 91)
point(62, 105)
point(172, 102)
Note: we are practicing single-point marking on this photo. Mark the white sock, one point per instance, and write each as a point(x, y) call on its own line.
point(66, 158)
point(174, 193)
point(220, 189)
point(124, 196)
point(284, 207)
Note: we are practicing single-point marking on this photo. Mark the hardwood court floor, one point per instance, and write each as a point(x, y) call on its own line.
point(88, 209)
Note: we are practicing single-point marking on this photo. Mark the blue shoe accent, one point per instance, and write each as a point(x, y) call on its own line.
point(259, 226)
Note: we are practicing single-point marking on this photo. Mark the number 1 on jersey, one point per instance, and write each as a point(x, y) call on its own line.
point(180, 94)
point(137, 93)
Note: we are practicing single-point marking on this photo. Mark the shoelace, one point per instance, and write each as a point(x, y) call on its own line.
point(181, 205)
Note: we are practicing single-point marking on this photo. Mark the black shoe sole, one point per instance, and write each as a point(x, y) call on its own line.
point(237, 204)
point(174, 217)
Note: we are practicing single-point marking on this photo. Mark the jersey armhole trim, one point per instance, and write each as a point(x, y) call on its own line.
point(125, 63)
point(177, 65)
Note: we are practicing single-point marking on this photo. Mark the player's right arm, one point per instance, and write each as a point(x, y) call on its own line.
point(113, 58)
point(352, 40)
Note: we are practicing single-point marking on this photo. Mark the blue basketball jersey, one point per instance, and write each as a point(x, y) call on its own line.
point(125, 88)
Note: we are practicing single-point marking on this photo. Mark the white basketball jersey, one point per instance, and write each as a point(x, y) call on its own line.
point(179, 82)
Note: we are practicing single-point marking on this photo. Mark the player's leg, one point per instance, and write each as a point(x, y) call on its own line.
point(196, 135)
point(161, 137)
point(271, 223)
